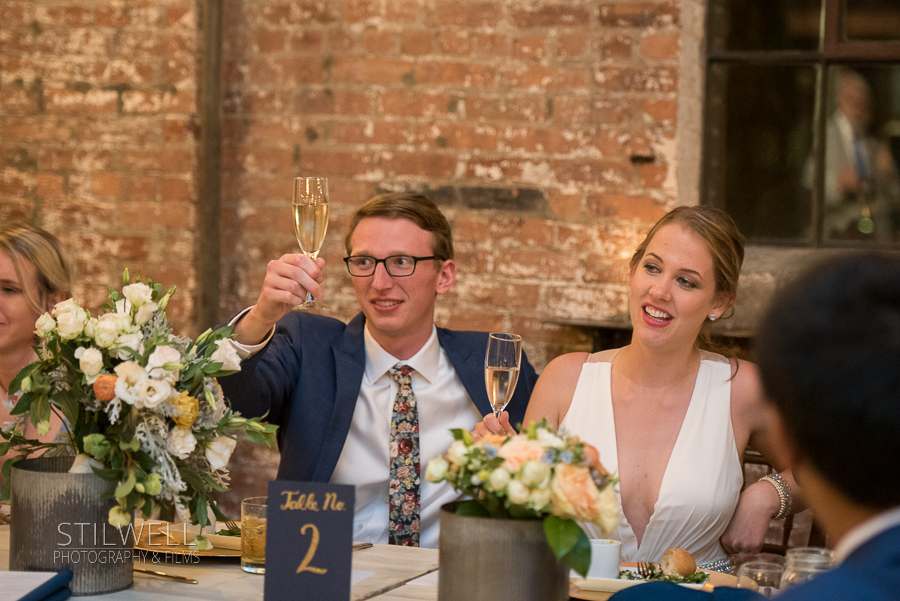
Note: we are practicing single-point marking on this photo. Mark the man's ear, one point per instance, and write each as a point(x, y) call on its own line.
point(446, 276)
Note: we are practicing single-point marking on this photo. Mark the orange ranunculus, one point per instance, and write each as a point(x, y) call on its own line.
point(519, 451)
point(105, 387)
point(574, 493)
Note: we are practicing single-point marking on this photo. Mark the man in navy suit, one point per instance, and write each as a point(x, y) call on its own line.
point(828, 352)
point(328, 385)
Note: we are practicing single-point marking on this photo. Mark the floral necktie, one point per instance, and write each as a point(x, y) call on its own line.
point(404, 498)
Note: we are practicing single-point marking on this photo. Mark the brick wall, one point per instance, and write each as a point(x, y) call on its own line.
point(544, 129)
point(96, 101)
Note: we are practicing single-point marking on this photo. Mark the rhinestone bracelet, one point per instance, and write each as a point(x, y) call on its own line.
point(726, 566)
point(784, 495)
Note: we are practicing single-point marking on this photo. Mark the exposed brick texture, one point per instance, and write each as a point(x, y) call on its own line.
point(545, 130)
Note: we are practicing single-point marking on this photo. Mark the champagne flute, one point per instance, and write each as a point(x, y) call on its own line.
point(501, 368)
point(309, 205)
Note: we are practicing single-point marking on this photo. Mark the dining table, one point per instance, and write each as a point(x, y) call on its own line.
point(381, 572)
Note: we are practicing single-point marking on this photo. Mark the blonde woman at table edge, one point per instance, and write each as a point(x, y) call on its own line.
point(668, 415)
point(34, 276)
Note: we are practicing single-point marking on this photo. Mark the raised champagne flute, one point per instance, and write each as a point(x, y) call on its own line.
point(309, 206)
point(501, 368)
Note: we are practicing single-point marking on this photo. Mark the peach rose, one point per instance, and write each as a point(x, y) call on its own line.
point(494, 439)
point(575, 495)
point(105, 387)
point(520, 451)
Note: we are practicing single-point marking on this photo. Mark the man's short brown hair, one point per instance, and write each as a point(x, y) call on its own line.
point(416, 208)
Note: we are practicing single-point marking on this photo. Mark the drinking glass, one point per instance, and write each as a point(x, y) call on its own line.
point(805, 563)
point(501, 368)
point(764, 576)
point(253, 535)
point(309, 205)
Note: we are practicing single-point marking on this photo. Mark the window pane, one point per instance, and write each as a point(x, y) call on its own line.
point(862, 151)
point(872, 19)
point(764, 25)
point(758, 141)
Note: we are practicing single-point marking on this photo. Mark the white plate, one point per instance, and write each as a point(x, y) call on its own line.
point(183, 534)
point(612, 585)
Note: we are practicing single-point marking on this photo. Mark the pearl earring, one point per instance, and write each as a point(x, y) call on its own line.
point(712, 316)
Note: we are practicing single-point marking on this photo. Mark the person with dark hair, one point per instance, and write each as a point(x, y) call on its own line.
point(669, 415)
point(828, 353)
point(370, 402)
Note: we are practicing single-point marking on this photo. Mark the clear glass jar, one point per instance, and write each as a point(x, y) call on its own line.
point(805, 563)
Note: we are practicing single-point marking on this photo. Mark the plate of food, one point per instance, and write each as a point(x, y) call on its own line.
point(677, 565)
point(171, 538)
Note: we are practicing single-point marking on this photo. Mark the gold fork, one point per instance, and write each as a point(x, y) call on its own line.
point(232, 525)
point(644, 569)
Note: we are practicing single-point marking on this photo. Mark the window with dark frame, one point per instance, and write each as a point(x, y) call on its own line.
point(802, 121)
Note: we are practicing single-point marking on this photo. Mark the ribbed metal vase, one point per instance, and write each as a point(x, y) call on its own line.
point(485, 558)
point(59, 521)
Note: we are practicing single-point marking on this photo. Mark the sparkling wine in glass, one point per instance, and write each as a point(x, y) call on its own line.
point(501, 368)
point(309, 206)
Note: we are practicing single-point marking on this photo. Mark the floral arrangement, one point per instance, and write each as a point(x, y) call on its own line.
point(140, 406)
point(538, 474)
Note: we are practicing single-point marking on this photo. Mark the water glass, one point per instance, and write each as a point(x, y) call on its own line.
point(763, 576)
point(253, 535)
point(805, 563)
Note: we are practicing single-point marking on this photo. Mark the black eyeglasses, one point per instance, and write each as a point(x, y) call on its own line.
point(398, 266)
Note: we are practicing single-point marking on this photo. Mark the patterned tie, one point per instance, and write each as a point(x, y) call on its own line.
point(403, 519)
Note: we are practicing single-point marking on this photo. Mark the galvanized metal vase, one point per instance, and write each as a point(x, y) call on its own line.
point(59, 521)
point(486, 558)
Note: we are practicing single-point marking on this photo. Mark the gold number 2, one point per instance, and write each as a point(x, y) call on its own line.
point(304, 565)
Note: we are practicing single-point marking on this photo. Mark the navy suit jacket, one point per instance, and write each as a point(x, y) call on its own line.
point(870, 573)
point(308, 378)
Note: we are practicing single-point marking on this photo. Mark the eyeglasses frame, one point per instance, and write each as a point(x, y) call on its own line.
point(386, 268)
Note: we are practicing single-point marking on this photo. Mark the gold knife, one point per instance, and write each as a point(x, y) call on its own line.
point(361, 546)
point(164, 575)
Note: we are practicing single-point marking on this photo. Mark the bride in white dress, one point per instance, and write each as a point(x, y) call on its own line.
point(669, 417)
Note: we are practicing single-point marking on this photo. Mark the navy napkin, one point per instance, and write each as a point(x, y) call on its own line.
point(668, 591)
point(55, 589)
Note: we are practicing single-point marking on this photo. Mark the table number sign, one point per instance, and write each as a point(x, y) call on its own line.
point(309, 540)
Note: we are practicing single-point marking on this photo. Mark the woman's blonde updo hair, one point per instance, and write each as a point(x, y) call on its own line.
point(725, 243)
point(23, 242)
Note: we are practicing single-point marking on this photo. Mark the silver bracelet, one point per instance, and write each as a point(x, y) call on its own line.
point(784, 495)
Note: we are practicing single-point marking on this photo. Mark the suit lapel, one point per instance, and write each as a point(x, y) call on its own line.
point(469, 366)
point(349, 366)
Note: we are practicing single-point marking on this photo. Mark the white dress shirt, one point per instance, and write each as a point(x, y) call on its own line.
point(442, 402)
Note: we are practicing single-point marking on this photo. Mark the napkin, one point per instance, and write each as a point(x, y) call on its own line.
point(55, 589)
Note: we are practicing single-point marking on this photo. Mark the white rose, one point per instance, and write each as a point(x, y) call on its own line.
point(91, 362)
point(123, 307)
point(550, 440)
point(71, 323)
point(219, 452)
point(227, 355)
point(90, 327)
point(132, 341)
point(160, 358)
point(536, 474)
point(138, 294)
point(152, 392)
point(540, 498)
point(44, 325)
point(499, 479)
point(517, 492)
point(181, 442)
point(145, 313)
point(106, 333)
point(609, 509)
point(65, 306)
point(436, 469)
point(456, 454)
point(130, 375)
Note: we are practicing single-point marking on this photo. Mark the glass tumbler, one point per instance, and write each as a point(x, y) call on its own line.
point(764, 576)
point(805, 563)
point(253, 535)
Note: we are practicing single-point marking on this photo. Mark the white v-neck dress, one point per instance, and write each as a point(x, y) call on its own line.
point(703, 478)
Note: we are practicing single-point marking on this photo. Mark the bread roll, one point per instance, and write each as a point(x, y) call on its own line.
point(677, 562)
